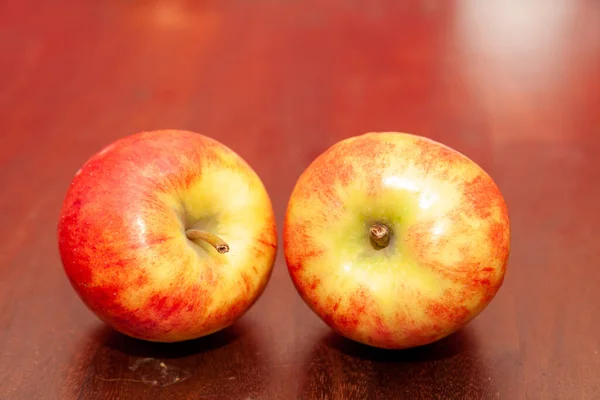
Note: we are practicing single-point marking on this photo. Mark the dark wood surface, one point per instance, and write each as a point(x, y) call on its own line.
point(515, 85)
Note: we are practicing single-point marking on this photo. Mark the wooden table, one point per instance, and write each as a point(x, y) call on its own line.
point(515, 85)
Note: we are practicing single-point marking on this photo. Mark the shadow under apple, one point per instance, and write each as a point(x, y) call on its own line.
point(449, 368)
point(449, 346)
point(226, 364)
point(142, 348)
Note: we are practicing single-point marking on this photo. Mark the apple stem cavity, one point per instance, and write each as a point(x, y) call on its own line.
point(215, 241)
point(380, 235)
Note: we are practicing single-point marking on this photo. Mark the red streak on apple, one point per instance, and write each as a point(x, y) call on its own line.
point(303, 241)
point(383, 332)
point(165, 306)
point(247, 281)
point(369, 154)
point(498, 237)
point(484, 196)
point(432, 155)
point(444, 312)
point(359, 307)
point(141, 280)
point(266, 242)
point(481, 282)
point(341, 173)
point(314, 283)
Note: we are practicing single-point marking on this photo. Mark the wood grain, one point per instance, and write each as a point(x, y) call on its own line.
point(515, 85)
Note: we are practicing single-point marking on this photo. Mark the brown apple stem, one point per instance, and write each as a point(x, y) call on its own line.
point(215, 241)
point(380, 234)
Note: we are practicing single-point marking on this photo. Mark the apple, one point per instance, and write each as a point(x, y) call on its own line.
point(395, 240)
point(167, 235)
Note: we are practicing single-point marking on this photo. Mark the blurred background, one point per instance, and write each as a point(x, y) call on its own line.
point(513, 84)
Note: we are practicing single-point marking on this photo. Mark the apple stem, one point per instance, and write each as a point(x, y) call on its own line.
point(380, 234)
point(215, 241)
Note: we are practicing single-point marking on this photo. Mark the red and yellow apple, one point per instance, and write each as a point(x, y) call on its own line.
point(167, 235)
point(396, 240)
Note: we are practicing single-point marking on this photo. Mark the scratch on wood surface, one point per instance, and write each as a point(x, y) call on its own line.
point(126, 380)
point(150, 371)
point(139, 362)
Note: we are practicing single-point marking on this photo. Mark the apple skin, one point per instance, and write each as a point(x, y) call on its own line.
point(122, 235)
point(449, 245)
